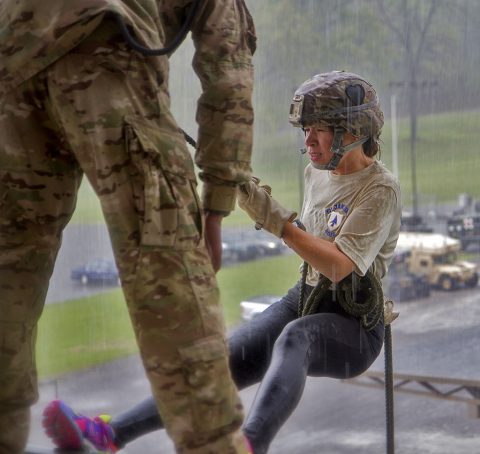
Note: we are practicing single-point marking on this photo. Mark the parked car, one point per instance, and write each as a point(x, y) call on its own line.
point(252, 307)
point(253, 245)
point(236, 250)
point(402, 285)
point(96, 272)
point(267, 244)
point(414, 223)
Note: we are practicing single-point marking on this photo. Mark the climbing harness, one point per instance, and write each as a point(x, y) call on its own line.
point(171, 47)
point(361, 297)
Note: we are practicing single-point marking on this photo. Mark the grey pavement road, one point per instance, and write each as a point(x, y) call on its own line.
point(436, 336)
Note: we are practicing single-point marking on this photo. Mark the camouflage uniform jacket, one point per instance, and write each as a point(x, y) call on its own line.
point(34, 34)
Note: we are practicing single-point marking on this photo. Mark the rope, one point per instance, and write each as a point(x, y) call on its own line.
point(389, 414)
point(302, 288)
point(359, 296)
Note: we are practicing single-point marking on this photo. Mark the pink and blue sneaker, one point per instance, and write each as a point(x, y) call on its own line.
point(69, 430)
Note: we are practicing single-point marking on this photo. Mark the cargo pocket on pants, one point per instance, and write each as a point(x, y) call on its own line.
point(163, 186)
point(214, 398)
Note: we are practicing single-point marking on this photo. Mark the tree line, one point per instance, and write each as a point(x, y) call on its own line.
point(425, 51)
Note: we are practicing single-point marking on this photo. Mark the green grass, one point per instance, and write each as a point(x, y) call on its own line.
point(84, 332)
point(81, 333)
point(447, 157)
point(88, 209)
point(447, 163)
point(272, 275)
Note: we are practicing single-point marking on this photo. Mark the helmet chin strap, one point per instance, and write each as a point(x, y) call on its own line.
point(338, 150)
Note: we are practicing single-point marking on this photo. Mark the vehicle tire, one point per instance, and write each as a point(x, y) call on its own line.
point(84, 279)
point(472, 282)
point(447, 283)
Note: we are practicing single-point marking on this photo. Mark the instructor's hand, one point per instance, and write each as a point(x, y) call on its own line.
point(262, 208)
point(213, 238)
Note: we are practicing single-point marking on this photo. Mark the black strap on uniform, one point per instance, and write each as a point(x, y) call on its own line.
point(190, 140)
point(171, 47)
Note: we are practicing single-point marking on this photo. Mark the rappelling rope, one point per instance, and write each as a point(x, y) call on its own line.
point(389, 413)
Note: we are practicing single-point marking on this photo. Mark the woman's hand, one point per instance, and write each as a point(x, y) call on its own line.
point(262, 208)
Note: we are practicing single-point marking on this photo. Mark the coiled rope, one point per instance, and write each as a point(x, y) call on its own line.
point(358, 296)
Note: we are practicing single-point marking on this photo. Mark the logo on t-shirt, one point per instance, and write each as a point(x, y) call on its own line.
point(334, 220)
point(335, 217)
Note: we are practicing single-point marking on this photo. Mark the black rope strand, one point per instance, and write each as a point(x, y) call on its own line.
point(301, 297)
point(389, 413)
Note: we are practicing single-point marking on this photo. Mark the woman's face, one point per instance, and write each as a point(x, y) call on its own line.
point(318, 140)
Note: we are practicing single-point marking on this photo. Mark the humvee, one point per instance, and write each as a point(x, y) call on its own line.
point(435, 256)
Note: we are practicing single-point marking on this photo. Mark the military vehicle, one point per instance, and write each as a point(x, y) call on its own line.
point(400, 284)
point(435, 256)
point(465, 228)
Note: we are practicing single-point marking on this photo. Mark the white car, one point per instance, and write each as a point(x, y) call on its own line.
point(250, 308)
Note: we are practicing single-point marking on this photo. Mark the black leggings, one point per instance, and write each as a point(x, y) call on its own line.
point(280, 350)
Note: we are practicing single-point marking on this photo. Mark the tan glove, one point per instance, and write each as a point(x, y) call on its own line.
point(267, 213)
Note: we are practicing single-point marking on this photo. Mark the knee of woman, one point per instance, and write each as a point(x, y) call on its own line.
point(292, 336)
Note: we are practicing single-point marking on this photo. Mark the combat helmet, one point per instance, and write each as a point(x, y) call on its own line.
point(341, 100)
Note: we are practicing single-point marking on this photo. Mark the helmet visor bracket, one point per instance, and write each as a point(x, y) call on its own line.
point(296, 111)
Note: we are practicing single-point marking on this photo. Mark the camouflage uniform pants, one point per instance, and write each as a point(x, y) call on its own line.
point(98, 111)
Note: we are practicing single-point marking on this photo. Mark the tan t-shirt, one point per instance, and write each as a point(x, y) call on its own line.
point(360, 212)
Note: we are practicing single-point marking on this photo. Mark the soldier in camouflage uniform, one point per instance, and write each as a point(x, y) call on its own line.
point(76, 99)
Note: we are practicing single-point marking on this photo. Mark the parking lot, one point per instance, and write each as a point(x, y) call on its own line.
point(83, 244)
